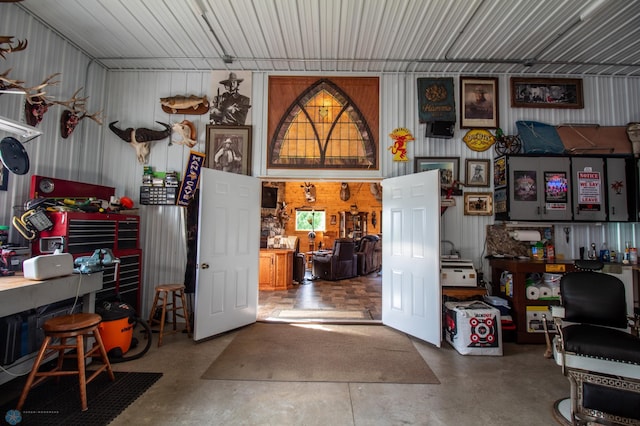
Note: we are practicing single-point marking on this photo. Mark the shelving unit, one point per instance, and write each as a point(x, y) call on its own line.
point(518, 301)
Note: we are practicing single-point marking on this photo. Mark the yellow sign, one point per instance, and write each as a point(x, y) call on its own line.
point(400, 137)
point(479, 139)
point(557, 268)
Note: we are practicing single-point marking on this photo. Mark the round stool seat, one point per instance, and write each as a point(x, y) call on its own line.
point(164, 303)
point(170, 287)
point(71, 322)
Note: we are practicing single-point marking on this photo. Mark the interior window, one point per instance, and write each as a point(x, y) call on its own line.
point(310, 220)
point(323, 128)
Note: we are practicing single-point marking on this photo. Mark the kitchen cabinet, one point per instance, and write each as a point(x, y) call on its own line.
point(537, 189)
point(524, 310)
point(276, 269)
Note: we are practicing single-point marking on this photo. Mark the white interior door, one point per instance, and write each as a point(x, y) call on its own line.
point(411, 293)
point(226, 294)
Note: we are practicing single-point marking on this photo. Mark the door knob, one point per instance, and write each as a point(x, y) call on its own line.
point(204, 266)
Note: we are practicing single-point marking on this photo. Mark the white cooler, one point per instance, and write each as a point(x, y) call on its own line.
point(473, 328)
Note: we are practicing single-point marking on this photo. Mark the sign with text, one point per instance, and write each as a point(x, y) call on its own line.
point(191, 178)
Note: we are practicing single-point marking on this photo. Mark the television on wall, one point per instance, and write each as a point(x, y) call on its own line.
point(269, 197)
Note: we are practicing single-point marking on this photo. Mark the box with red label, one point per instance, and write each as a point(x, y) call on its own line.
point(473, 328)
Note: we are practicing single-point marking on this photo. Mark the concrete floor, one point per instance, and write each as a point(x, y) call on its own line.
point(518, 388)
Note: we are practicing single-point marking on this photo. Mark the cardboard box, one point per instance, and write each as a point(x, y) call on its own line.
point(473, 328)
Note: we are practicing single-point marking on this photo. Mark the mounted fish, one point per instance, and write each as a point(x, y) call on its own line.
point(140, 138)
point(20, 45)
point(180, 104)
point(76, 111)
point(187, 131)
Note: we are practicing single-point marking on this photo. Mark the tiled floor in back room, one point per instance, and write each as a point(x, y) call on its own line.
point(518, 388)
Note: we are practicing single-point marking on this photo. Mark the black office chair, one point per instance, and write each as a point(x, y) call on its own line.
point(598, 347)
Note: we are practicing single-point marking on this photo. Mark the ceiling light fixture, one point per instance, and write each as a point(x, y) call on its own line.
point(590, 10)
point(202, 9)
point(24, 131)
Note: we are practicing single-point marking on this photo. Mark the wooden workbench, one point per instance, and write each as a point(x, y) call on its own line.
point(18, 294)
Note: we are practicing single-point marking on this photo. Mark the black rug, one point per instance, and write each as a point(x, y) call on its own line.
point(53, 403)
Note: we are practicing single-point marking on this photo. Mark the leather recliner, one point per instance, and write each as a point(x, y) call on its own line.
point(368, 260)
point(341, 263)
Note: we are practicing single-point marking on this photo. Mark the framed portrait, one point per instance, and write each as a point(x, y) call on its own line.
point(479, 103)
point(228, 148)
point(449, 171)
point(477, 172)
point(478, 203)
point(4, 177)
point(546, 93)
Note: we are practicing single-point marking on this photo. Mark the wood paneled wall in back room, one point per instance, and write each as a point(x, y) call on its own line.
point(327, 199)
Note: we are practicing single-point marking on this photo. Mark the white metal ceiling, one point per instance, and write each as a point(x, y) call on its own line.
point(451, 36)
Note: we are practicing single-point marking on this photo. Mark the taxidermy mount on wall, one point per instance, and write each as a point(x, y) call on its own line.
point(140, 138)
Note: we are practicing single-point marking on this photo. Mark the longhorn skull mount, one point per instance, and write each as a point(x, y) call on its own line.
point(140, 138)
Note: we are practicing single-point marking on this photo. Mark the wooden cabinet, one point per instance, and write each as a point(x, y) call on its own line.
point(520, 270)
point(276, 269)
point(353, 225)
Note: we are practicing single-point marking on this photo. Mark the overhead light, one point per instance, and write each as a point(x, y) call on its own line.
point(24, 131)
point(590, 10)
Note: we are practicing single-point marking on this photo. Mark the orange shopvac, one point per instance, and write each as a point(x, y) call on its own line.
point(116, 330)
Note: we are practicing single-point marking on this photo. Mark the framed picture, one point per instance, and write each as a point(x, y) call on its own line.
point(228, 148)
point(546, 93)
point(478, 203)
point(499, 172)
point(449, 171)
point(479, 103)
point(477, 172)
point(4, 177)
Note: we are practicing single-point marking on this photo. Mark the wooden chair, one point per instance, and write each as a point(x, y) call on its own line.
point(77, 326)
point(163, 292)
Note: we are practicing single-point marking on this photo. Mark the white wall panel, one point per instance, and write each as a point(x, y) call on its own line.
point(94, 154)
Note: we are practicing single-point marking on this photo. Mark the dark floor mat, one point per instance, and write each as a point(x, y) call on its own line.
point(54, 403)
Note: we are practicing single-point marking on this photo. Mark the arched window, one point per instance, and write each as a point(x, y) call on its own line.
point(323, 128)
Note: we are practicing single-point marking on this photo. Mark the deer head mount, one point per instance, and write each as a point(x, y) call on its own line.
point(309, 192)
point(7, 40)
point(36, 103)
point(140, 138)
point(76, 112)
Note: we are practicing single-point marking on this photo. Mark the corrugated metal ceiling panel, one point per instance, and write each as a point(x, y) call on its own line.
point(474, 36)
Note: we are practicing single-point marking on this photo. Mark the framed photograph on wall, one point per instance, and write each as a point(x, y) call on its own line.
point(546, 93)
point(449, 171)
point(4, 177)
point(228, 148)
point(479, 103)
point(478, 203)
point(477, 172)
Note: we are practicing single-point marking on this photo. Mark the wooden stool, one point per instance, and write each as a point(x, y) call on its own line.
point(163, 292)
point(64, 327)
